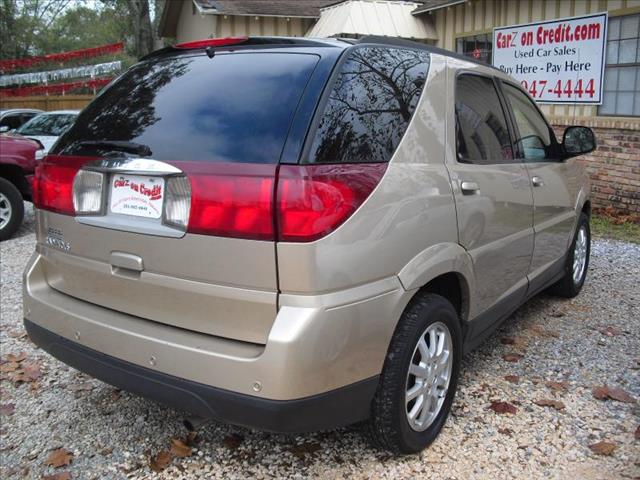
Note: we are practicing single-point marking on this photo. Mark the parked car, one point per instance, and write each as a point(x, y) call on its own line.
point(17, 165)
point(299, 234)
point(12, 118)
point(47, 127)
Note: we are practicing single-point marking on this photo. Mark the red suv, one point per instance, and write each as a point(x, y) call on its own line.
point(17, 165)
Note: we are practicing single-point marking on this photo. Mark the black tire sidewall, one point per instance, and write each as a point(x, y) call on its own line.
point(17, 208)
point(439, 310)
point(583, 221)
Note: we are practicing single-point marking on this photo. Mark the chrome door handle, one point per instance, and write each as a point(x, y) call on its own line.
point(469, 188)
point(537, 182)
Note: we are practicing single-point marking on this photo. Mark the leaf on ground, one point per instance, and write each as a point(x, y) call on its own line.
point(58, 476)
point(557, 386)
point(512, 378)
point(179, 448)
point(77, 387)
point(505, 431)
point(18, 334)
point(59, 458)
point(233, 441)
point(7, 409)
point(161, 461)
point(192, 439)
point(636, 435)
point(304, 449)
point(17, 357)
point(609, 331)
point(542, 332)
point(512, 357)
point(503, 407)
point(9, 367)
point(546, 402)
point(603, 448)
point(604, 392)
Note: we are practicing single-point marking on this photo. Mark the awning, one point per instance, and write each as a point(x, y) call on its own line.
point(362, 17)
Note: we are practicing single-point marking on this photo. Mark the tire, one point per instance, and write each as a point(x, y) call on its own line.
point(389, 427)
point(11, 209)
point(570, 285)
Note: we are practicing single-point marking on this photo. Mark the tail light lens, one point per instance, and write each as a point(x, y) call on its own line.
point(231, 199)
point(87, 192)
point(53, 183)
point(314, 200)
point(177, 202)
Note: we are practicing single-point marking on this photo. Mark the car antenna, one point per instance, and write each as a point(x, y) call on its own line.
point(210, 52)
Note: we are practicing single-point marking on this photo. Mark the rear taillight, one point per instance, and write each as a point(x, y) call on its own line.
point(177, 202)
point(314, 200)
point(231, 200)
point(88, 189)
point(53, 183)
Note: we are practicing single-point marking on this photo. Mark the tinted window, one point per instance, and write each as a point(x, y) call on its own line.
point(47, 124)
point(534, 137)
point(370, 105)
point(11, 121)
point(229, 108)
point(482, 133)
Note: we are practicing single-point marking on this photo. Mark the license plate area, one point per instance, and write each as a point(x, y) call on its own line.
point(136, 195)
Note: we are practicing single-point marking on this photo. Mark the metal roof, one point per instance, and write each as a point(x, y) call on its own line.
point(431, 5)
point(366, 17)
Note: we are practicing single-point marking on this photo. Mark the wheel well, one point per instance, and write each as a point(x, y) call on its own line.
point(15, 175)
point(586, 208)
point(454, 288)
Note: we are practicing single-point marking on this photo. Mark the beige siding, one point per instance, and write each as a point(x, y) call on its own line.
point(480, 16)
point(194, 26)
point(231, 25)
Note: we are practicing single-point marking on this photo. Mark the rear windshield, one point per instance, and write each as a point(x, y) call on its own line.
point(230, 108)
point(49, 124)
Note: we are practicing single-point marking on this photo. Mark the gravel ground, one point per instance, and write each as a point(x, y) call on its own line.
point(581, 344)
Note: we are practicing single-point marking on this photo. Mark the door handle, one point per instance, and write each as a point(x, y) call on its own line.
point(469, 188)
point(537, 182)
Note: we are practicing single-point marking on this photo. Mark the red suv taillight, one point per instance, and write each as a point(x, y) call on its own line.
point(53, 183)
point(314, 200)
point(291, 203)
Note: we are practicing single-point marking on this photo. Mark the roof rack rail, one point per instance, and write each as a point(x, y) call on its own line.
point(400, 42)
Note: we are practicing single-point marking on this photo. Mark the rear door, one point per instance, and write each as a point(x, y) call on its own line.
point(492, 195)
point(220, 123)
point(555, 183)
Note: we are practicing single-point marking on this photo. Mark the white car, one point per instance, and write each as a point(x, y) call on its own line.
point(47, 127)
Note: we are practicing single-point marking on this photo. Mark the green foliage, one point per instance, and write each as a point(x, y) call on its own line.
point(38, 27)
point(605, 226)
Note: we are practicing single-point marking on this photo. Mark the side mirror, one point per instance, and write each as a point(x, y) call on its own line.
point(4, 128)
point(578, 141)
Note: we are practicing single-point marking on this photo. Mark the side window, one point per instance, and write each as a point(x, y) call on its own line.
point(534, 138)
point(11, 121)
point(481, 128)
point(370, 105)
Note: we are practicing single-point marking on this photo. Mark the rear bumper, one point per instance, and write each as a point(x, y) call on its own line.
point(332, 409)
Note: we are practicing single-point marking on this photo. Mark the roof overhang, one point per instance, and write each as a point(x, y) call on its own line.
point(433, 5)
point(382, 17)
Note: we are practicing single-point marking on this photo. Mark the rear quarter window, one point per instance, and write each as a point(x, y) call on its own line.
point(370, 104)
point(230, 108)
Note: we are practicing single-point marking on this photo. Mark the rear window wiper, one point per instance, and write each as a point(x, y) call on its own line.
point(118, 145)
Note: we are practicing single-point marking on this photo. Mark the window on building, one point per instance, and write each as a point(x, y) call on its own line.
point(476, 46)
point(482, 134)
point(622, 70)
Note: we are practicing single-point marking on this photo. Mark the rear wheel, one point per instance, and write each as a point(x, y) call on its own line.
point(11, 209)
point(419, 377)
point(577, 262)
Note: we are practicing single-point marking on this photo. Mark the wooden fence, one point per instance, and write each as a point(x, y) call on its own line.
point(48, 102)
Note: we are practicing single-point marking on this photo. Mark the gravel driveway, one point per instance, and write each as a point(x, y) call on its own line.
point(545, 364)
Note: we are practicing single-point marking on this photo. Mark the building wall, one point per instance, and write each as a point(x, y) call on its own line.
point(194, 26)
point(481, 16)
point(614, 167)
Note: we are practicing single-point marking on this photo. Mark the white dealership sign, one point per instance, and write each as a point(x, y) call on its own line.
point(557, 61)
